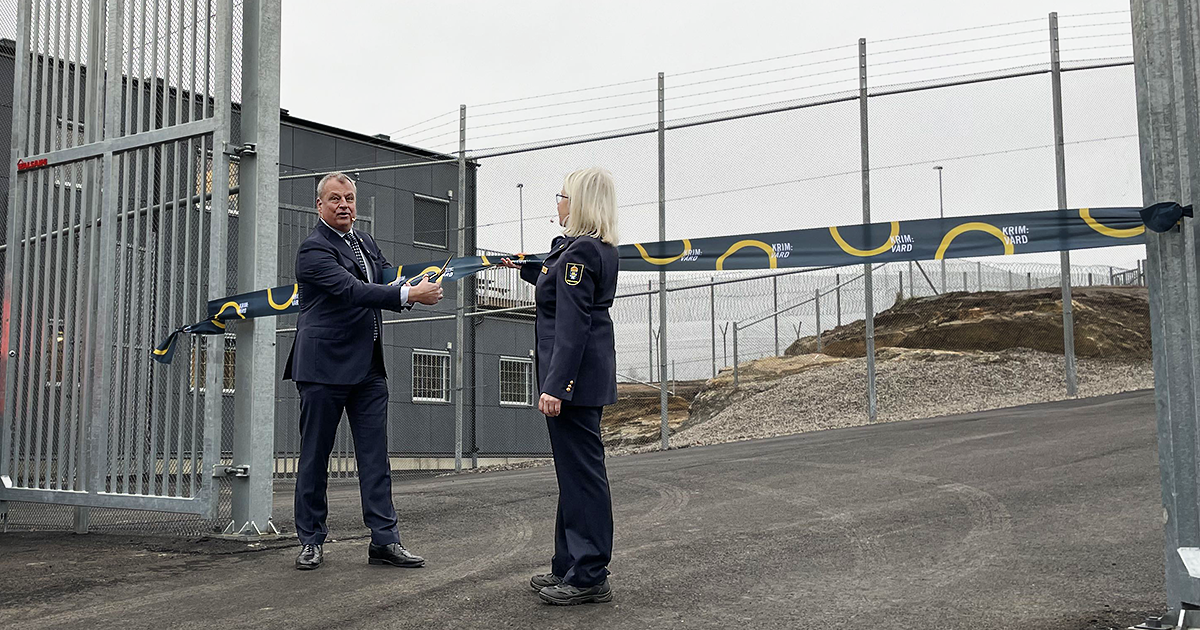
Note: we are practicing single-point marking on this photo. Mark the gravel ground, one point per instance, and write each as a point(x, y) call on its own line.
point(910, 385)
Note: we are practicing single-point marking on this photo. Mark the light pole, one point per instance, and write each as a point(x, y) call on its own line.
point(941, 215)
point(521, 205)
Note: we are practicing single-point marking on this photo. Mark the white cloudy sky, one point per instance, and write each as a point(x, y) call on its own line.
point(382, 67)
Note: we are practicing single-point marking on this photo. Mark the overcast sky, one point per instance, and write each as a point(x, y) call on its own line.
point(378, 67)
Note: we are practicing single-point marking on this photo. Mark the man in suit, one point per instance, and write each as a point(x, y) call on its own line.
point(337, 364)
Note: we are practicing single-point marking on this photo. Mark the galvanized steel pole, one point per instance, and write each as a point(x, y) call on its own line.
point(712, 301)
point(1060, 169)
point(1165, 77)
point(258, 266)
point(868, 286)
point(460, 293)
point(662, 273)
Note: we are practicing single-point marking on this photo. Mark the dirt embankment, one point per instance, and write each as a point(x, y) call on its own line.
point(938, 355)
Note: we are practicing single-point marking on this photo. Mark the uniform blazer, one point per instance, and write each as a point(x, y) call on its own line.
point(576, 348)
point(338, 308)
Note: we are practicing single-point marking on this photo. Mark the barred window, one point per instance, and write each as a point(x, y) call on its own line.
point(431, 221)
point(430, 376)
point(516, 382)
point(230, 364)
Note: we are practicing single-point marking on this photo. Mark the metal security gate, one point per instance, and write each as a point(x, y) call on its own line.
point(117, 235)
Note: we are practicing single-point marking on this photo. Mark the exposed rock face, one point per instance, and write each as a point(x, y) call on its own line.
point(1110, 323)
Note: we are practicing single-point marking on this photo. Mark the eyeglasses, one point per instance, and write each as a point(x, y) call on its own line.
point(559, 197)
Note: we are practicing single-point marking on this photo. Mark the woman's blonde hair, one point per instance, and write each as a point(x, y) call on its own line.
point(591, 204)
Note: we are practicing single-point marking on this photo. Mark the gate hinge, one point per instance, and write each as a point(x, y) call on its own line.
point(248, 148)
point(221, 470)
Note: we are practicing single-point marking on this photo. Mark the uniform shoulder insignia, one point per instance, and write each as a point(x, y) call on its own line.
point(545, 269)
point(574, 273)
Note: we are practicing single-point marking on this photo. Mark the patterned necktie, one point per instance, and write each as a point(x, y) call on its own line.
point(352, 241)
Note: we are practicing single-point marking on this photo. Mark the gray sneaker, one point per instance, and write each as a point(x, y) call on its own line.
point(542, 580)
point(567, 595)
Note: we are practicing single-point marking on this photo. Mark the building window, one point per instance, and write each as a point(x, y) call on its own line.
point(516, 382)
point(430, 376)
point(431, 222)
point(198, 365)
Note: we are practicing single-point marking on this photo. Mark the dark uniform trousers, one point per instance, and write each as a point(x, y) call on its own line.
point(583, 529)
point(365, 404)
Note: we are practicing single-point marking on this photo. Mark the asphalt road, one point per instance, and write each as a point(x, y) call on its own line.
point(1036, 517)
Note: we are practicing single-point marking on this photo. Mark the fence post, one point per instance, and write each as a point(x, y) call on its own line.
point(712, 301)
point(662, 272)
point(258, 261)
point(1089, 278)
point(837, 296)
point(901, 285)
point(1028, 279)
point(1165, 82)
point(965, 287)
point(735, 355)
point(979, 276)
point(820, 346)
point(1010, 280)
point(650, 326)
point(912, 293)
point(1112, 277)
point(1060, 167)
point(460, 293)
point(775, 301)
point(868, 285)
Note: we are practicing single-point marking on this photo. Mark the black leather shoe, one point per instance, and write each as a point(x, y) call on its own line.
point(394, 554)
point(542, 580)
point(567, 595)
point(310, 557)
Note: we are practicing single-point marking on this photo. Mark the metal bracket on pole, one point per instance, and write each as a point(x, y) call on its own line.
point(249, 148)
point(242, 470)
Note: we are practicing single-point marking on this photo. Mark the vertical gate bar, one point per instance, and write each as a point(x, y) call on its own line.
point(129, 377)
point(141, 343)
point(15, 227)
point(37, 336)
point(158, 380)
point(195, 76)
point(67, 391)
point(20, 341)
point(122, 302)
point(57, 317)
point(216, 344)
point(57, 104)
point(42, 143)
point(199, 343)
point(93, 131)
point(1060, 168)
point(188, 378)
point(106, 254)
point(171, 379)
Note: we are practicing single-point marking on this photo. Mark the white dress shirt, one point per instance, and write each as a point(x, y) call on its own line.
point(403, 288)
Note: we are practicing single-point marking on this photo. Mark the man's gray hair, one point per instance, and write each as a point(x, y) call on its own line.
point(341, 177)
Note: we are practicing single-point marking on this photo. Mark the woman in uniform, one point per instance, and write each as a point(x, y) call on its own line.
point(577, 376)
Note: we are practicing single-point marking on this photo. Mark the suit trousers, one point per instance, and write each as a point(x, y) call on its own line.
point(583, 528)
point(321, 407)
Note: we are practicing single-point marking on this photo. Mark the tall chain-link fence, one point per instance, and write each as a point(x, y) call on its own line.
point(960, 123)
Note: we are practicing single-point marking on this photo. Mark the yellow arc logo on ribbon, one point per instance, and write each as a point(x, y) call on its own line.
point(286, 303)
point(973, 227)
point(748, 243)
point(1086, 215)
point(866, 253)
point(663, 261)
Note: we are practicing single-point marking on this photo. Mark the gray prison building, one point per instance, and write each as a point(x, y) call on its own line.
point(412, 214)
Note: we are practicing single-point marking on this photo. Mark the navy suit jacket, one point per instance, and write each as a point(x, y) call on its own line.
point(334, 332)
point(576, 347)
